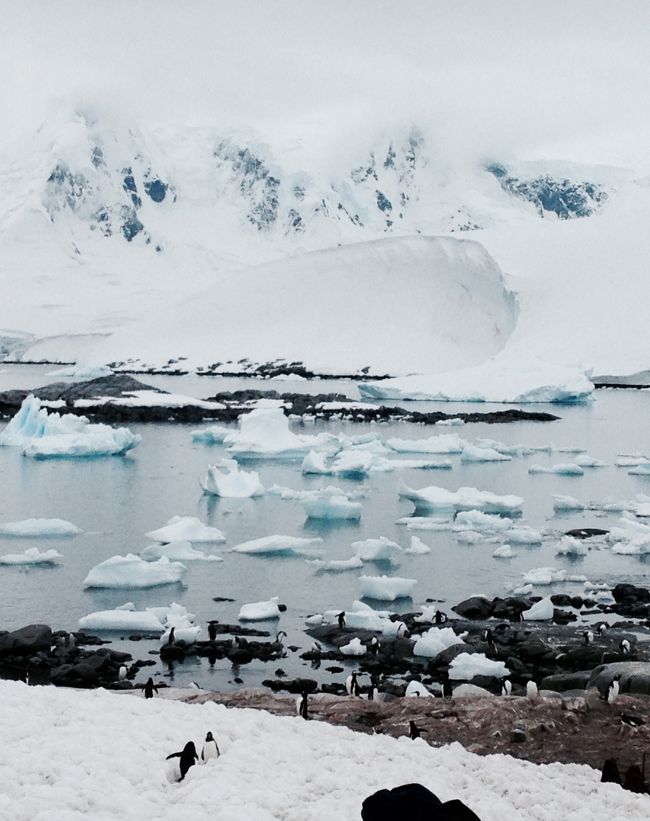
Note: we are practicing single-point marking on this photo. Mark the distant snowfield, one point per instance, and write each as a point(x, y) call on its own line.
point(78, 754)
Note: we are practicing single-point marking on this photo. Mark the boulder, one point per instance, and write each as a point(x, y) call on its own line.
point(476, 607)
point(635, 677)
point(566, 681)
point(27, 641)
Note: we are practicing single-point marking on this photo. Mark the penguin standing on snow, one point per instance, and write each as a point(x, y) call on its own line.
point(188, 758)
point(352, 685)
point(210, 748)
point(149, 687)
point(302, 706)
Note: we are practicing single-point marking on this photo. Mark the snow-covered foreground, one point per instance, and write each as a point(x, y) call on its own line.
point(75, 755)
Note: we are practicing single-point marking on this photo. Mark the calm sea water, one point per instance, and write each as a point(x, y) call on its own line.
point(116, 500)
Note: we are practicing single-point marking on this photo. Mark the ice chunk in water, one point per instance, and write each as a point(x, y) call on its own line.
point(31, 556)
point(435, 640)
point(260, 610)
point(566, 469)
point(472, 453)
point(131, 620)
point(504, 552)
point(465, 498)
point(524, 535)
point(566, 503)
point(278, 546)
point(447, 443)
point(417, 547)
point(542, 576)
point(227, 480)
point(569, 546)
point(338, 565)
point(467, 666)
point(36, 528)
point(353, 648)
point(540, 611)
point(177, 551)
point(371, 550)
point(186, 529)
point(386, 588)
point(214, 435)
point(332, 504)
point(130, 571)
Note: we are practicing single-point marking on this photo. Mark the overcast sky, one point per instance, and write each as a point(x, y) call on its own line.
point(485, 76)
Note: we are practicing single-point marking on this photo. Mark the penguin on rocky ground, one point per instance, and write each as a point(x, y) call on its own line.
point(341, 620)
point(588, 637)
point(352, 685)
point(440, 617)
point(625, 647)
point(149, 687)
point(188, 758)
point(614, 689)
point(506, 688)
point(414, 731)
point(302, 706)
point(601, 629)
point(172, 636)
point(122, 673)
point(532, 693)
point(374, 646)
point(210, 748)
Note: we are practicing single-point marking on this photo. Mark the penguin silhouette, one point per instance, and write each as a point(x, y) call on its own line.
point(188, 758)
point(149, 687)
point(212, 630)
point(172, 636)
point(341, 620)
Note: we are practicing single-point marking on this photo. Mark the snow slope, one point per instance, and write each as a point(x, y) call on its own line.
point(101, 755)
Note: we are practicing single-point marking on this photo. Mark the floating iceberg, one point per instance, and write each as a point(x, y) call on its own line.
point(372, 550)
point(44, 435)
point(278, 546)
point(31, 556)
point(504, 552)
point(177, 551)
point(472, 453)
point(524, 535)
point(82, 372)
point(477, 520)
point(491, 382)
point(339, 565)
point(36, 528)
point(264, 434)
point(566, 503)
point(260, 610)
point(447, 443)
point(130, 571)
point(467, 666)
point(540, 611)
point(586, 461)
point(315, 464)
point(565, 469)
point(214, 435)
point(386, 588)
point(122, 618)
point(227, 480)
point(417, 547)
point(470, 537)
point(569, 546)
point(642, 469)
point(435, 640)
point(465, 498)
point(330, 503)
point(543, 576)
point(186, 529)
point(353, 648)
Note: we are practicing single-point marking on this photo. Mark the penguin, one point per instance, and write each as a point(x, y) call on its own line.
point(188, 758)
point(633, 780)
point(488, 636)
point(601, 629)
point(341, 620)
point(172, 637)
point(630, 720)
point(149, 687)
point(625, 647)
point(414, 731)
point(278, 640)
point(374, 645)
point(302, 706)
point(352, 685)
point(70, 641)
point(447, 689)
point(614, 689)
point(212, 630)
point(588, 637)
point(402, 630)
point(506, 688)
point(122, 674)
point(210, 749)
point(532, 693)
point(194, 686)
point(316, 648)
point(440, 617)
point(610, 772)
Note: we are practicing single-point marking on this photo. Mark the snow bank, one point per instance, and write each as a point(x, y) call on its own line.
point(467, 666)
point(490, 382)
point(435, 640)
point(177, 551)
point(44, 435)
point(386, 588)
point(465, 498)
point(372, 550)
point(278, 546)
point(227, 480)
point(36, 528)
point(186, 529)
point(31, 556)
point(260, 610)
point(130, 571)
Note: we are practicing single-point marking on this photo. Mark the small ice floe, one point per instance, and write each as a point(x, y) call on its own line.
point(332, 504)
point(338, 565)
point(186, 529)
point(455, 421)
point(177, 552)
point(465, 498)
point(386, 588)
point(42, 435)
point(484, 522)
point(441, 524)
point(435, 640)
point(132, 572)
point(82, 371)
point(642, 469)
point(540, 611)
point(467, 666)
point(569, 546)
point(373, 550)
point(31, 556)
point(417, 547)
point(570, 449)
point(278, 546)
point(360, 616)
point(564, 469)
point(446, 443)
point(524, 535)
point(125, 617)
point(504, 552)
point(631, 460)
point(470, 537)
point(227, 480)
point(566, 504)
point(37, 528)
point(544, 576)
point(260, 610)
point(587, 461)
point(522, 590)
point(415, 689)
point(264, 434)
point(639, 546)
point(353, 648)
point(473, 453)
point(213, 435)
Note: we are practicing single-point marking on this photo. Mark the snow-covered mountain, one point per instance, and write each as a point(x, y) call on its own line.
point(111, 231)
